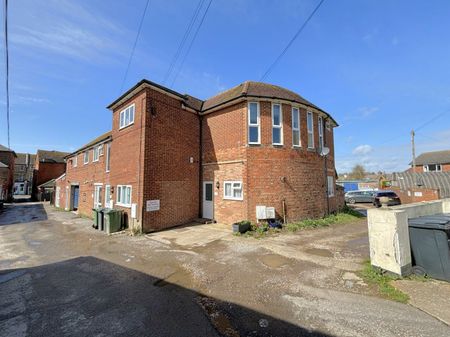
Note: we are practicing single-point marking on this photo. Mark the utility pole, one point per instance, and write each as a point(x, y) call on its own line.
point(413, 146)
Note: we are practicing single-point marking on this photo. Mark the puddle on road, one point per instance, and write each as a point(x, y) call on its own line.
point(320, 252)
point(273, 260)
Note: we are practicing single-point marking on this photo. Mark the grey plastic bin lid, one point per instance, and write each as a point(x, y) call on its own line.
point(437, 221)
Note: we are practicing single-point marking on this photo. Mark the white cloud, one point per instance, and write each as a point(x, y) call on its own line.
point(365, 111)
point(362, 150)
point(67, 29)
point(32, 99)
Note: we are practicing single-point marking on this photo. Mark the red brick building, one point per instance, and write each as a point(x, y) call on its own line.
point(174, 158)
point(7, 160)
point(48, 165)
point(435, 161)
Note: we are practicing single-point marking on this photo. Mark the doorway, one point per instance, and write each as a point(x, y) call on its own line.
point(75, 197)
point(208, 200)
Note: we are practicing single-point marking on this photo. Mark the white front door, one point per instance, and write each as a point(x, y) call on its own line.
point(208, 200)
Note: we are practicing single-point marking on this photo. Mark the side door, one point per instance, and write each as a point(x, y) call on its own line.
point(208, 200)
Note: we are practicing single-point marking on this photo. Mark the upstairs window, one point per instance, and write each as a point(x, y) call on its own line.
point(277, 124)
point(108, 156)
point(126, 116)
point(75, 161)
point(432, 168)
point(296, 127)
point(86, 157)
point(320, 129)
point(310, 125)
point(254, 131)
point(95, 158)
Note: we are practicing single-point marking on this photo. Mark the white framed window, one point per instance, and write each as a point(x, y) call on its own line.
point(108, 156)
point(95, 156)
point(310, 125)
point(232, 190)
point(100, 150)
point(127, 116)
point(277, 124)
point(330, 186)
point(86, 157)
point(108, 201)
point(320, 129)
point(254, 129)
point(296, 141)
point(123, 195)
point(75, 161)
point(98, 194)
point(432, 168)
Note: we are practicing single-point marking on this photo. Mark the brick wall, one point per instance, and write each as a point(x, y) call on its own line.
point(419, 168)
point(7, 174)
point(171, 162)
point(412, 195)
point(85, 176)
point(270, 174)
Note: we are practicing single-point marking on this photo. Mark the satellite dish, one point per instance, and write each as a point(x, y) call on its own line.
point(324, 151)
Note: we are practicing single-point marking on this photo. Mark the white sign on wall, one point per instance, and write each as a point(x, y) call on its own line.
point(153, 205)
point(417, 194)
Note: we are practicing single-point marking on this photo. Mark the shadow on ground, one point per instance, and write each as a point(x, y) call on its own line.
point(15, 214)
point(87, 296)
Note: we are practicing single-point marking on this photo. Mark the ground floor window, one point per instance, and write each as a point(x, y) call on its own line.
point(330, 186)
point(232, 190)
point(98, 196)
point(124, 195)
point(108, 203)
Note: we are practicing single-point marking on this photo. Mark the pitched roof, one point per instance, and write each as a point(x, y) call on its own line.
point(246, 89)
point(22, 158)
point(440, 180)
point(3, 165)
point(257, 90)
point(50, 183)
point(6, 149)
point(435, 157)
point(51, 156)
point(99, 139)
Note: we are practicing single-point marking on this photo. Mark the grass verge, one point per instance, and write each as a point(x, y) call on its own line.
point(260, 230)
point(383, 281)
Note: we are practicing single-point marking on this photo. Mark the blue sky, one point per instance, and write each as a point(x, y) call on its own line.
point(380, 68)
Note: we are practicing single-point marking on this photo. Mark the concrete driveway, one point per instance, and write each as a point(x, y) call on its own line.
point(59, 277)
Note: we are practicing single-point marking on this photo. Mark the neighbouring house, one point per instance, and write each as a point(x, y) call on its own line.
point(435, 161)
point(423, 186)
point(171, 158)
point(23, 173)
point(7, 159)
point(48, 165)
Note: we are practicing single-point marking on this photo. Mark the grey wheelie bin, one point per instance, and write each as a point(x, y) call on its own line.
point(430, 245)
point(113, 220)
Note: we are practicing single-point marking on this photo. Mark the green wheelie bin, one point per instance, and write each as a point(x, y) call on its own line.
point(97, 215)
point(112, 220)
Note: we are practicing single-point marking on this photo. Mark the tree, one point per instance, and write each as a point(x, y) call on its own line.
point(358, 172)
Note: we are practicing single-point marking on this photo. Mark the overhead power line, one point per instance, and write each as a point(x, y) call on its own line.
point(190, 45)
point(134, 46)
point(7, 73)
point(272, 66)
point(183, 41)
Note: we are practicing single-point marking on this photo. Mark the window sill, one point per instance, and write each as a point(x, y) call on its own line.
point(123, 205)
point(311, 149)
point(233, 199)
point(296, 147)
point(277, 145)
point(126, 126)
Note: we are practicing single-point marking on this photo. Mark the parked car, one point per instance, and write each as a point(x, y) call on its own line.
point(393, 198)
point(352, 197)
